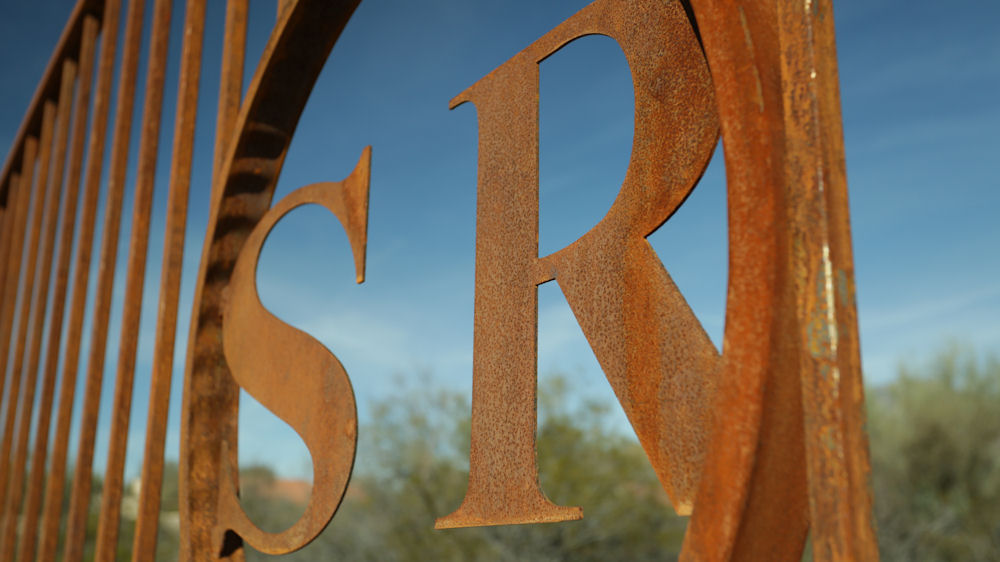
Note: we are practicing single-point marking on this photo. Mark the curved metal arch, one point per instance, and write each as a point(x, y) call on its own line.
point(782, 391)
point(300, 43)
point(764, 59)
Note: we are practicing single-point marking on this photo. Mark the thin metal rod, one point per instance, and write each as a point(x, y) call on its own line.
point(6, 233)
point(15, 254)
point(230, 92)
point(50, 533)
point(230, 95)
point(147, 522)
point(49, 84)
point(234, 44)
point(15, 251)
point(15, 483)
point(27, 308)
point(299, 44)
point(33, 501)
point(9, 220)
point(837, 460)
point(6, 215)
point(76, 524)
point(108, 525)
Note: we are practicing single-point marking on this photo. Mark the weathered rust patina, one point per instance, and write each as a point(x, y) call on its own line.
point(300, 42)
point(291, 373)
point(659, 361)
point(759, 442)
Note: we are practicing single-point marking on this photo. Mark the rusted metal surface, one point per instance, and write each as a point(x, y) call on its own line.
point(33, 502)
point(9, 218)
point(230, 90)
point(757, 459)
point(234, 42)
point(50, 526)
point(76, 518)
point(300, 42)
point(19, 225)
point(121, 406)
point(147, 521)
point(833, 393)
point(65, 48)
point(729, 520)
point(756, 447)
point(15, 483)
point(759, 443)
point(292, 374)
point(29, 309)
point(654, 352)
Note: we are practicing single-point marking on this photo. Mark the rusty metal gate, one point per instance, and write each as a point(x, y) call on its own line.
point(759, 444)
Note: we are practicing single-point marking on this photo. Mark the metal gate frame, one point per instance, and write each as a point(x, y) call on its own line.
point(785, 450)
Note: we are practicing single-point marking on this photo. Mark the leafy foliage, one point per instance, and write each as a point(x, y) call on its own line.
point(417, 451)
point(935, 440)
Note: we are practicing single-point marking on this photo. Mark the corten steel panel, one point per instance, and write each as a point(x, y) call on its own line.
point(259, 349)
point(658, 359)
point(758, 443)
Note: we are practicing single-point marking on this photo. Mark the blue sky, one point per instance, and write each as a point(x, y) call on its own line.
point(918, 82)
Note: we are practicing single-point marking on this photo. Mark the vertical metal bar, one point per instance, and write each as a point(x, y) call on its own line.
point(837, 459)
point(76, 524)
point(49, 83)
point(6, 214)
point(299, 44)
point(49, 540)
point(27, 308)
point(15, 482)
point(6, 237)
point(19, 217)
point(26, 547)
point(16, 258)
point(230, 94)
point(16, 252)
point(6, 232)
point(107, 529)
point(234, 43)
point(147, 523)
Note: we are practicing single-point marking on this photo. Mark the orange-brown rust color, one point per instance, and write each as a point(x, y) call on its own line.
point(759, 443)
point(658, 359)
point(292, 374)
